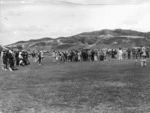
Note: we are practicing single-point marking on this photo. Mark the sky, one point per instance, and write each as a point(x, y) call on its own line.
point(33, 19)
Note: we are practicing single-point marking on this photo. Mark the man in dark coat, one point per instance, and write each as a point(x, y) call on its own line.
point(4, 57)
point(11, 60)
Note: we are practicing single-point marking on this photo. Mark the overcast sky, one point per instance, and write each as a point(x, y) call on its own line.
point(30, 19)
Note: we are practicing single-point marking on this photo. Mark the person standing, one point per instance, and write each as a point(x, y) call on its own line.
point(120, 53)
point(143, 56)
point(54, 56)
point(21, 63)
point(17, 58)
point(42, 55)
point(34, 56)
point(95, 55)
point(4, 57)
point(27, 58)
point(79, 56)
point(129, 53)
point(39, 58)
point(11, 60)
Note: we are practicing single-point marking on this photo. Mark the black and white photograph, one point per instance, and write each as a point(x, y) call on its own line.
point(74, 56)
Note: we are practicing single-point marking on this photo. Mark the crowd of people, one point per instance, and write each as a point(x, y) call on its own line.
point(102, 55)
point(38, 57)
point(11, 58)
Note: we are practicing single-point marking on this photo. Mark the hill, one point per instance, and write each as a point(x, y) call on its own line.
point(96, 39)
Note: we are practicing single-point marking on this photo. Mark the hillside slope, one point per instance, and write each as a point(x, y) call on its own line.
point(96, 39)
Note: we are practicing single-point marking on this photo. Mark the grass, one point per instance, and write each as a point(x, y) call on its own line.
point(83, 87)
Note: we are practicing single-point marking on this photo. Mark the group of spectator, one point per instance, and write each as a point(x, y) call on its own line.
point(11, 59)
point(99, 54)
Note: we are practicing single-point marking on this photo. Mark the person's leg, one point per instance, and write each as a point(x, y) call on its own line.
point(142, 62)
point(3, 66)
point(3, 63)
point(19, 62)
point(145, 63)
point(10, 65)
point(13, 64)
point(121, 57)
point(40, 61)
point(6, 64)
point(54, 59)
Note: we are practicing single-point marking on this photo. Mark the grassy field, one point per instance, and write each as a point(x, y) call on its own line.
point(83, 87)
